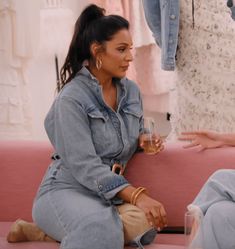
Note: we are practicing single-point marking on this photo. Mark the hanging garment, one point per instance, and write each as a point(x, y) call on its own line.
point(19, 28)
point(204, 79)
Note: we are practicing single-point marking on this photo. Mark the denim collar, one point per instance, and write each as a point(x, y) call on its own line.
point(95, 87)
point(94, 81)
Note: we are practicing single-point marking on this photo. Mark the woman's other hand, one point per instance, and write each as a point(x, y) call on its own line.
point(154, 211)
point(204, 139)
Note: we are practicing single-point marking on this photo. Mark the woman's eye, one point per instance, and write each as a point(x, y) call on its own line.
point(121, 49)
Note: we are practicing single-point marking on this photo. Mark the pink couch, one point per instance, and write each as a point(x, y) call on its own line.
point(173, 177)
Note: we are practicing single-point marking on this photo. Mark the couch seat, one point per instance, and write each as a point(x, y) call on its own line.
point(163, 241)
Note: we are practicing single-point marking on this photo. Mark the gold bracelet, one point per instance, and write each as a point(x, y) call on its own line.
point(138, 194)
point(135, 194)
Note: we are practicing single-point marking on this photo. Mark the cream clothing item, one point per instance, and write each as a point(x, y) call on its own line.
point(134, 221)
point(204, 79)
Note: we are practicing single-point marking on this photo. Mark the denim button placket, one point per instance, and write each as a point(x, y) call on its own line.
point(100, 187)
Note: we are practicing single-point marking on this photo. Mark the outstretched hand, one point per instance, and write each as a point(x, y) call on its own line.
point(203, 139)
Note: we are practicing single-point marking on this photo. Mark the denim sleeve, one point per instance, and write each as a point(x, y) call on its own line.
point(73, 142)
point(152, 13)
point(231, 5)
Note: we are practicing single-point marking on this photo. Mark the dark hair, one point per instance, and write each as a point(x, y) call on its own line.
point(91, 26)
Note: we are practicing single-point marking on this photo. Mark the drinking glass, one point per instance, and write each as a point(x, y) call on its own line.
point(149, 144)
point(191, 226)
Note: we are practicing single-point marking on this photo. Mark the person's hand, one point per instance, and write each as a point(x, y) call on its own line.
point(156, 140)
point(204, 139)
point(154, 211)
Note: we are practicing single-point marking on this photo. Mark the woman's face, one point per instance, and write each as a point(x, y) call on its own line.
point(117, 54)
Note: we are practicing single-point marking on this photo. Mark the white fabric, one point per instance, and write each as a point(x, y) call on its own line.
point(56, 29)
point(26, 27)
point(19, 28)
point(20, 25)
point(141, 34)
point(204, 79)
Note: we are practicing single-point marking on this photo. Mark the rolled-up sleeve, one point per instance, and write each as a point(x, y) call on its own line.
point(73, 142)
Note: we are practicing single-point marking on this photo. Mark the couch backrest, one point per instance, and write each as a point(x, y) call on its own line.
point(22, 165)
point(176, 175)
point(173, 177)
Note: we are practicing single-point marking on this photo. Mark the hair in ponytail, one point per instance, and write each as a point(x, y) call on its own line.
point(91, 26)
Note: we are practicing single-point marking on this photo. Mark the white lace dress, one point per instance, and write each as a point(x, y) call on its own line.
point(204, 94)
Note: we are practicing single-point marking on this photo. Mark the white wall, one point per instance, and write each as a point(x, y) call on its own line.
point(37, 90)
point(27, 66)
point(56, 31)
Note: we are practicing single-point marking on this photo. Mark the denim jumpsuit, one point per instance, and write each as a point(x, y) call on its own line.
point(75, 202)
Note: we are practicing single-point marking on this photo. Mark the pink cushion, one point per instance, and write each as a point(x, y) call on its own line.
point(27, 245)
point(172, 239)
point(155, 246)
point(45, 245)
point(4, 228)
point(163, 241)
point(23, 164)
point(175, 175)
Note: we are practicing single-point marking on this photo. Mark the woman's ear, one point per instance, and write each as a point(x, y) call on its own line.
point(95, 48)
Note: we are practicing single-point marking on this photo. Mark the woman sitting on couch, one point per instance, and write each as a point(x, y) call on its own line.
point(94, 125)
point(215, 203)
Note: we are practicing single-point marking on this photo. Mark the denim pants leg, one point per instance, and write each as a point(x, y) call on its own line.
point(219, 187)
point(217, 229)
point(78, 221)
point(216, 200)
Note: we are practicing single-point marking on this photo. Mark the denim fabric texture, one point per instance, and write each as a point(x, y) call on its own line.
point(75, 202)
point(163, 19)
point(216, 202)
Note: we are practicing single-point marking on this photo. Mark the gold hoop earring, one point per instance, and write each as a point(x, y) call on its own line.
point(98, 64)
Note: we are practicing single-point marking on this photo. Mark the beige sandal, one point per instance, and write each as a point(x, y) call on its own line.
point(25, 231)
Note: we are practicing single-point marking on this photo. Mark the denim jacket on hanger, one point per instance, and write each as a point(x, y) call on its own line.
point(163, 19)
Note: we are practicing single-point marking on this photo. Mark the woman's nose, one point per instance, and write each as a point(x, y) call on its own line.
point(129, 56)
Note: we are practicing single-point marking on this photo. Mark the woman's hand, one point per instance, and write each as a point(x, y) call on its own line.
point(154, 211)
point(156, 140)
point(204, 139)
